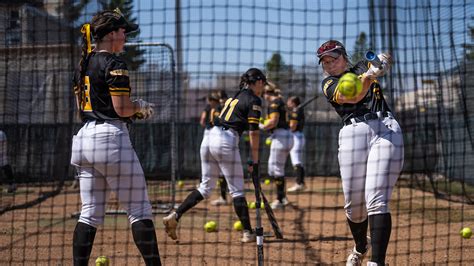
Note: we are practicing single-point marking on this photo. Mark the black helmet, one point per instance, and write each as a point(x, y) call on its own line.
point(110, 20)
point(254, 74)
point(332, 48)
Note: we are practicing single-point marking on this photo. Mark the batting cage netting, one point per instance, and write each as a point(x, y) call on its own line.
point(236, 132)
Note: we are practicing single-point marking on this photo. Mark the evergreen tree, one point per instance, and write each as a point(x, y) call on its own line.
point(360, 48)
point(71, 11)
point(469, 47)
point(133, 55)
point(278, 71)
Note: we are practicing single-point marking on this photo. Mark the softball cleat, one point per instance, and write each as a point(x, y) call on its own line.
point(277, 204)
point(355, 258)
point(248, 236)
point(297, 188)
point(171, 224)
point(218, 202)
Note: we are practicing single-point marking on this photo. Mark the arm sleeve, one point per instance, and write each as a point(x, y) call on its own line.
point(117, 78)
point(255, 112)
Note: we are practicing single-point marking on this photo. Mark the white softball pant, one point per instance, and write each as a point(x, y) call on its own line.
point(106, 161)
point(3, 149)
point(205, 143)
point(370, 158)
point(220, 152)
point(282, 142)
point(297, 152)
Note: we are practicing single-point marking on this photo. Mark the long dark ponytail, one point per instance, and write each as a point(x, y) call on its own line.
point(86, 50)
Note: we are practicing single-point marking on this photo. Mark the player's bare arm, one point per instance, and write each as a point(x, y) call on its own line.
point(293, 125)
point(254, 144)
point(124, 107)
point(272, 121)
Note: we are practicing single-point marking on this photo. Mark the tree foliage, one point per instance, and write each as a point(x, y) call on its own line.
point(133, 55)
point(469, 47)
point(360, 47)
point(277, 70)
point(71, 13)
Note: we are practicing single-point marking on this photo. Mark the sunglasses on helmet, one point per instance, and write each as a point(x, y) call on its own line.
point(329, 46)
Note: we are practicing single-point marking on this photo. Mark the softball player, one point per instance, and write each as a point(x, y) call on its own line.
point(4, 165)
point(101, 151)
point(206, 120)
point(223, 187)
point(241, 112)
point(208, 116)
point(370, 151)
point(282, 142)
point(296, 123)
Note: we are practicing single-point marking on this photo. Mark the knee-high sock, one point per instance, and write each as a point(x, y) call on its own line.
point(145, 238)
point(242, 211)
point(299, 170)
point(191, 200)
point(280, 184)
point(82, 242)
point(223, 187)
point(359, 233)
point(380, 230)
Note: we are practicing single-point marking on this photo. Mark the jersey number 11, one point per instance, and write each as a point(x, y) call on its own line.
point(232, 103)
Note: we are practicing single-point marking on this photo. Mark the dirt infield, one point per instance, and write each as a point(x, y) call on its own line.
point(425, 230)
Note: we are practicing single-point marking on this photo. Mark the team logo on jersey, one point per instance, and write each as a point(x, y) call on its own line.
point(119, 72)
point(295, 115)
point(256, 108)
point(326, 86)
point(274, 105)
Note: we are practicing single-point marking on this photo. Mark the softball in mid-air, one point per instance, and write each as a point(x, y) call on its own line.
point(349, 85)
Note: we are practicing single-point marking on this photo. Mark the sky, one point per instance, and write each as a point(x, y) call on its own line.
point(231, 36)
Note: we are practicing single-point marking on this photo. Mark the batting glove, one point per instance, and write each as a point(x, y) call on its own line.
point(146, 109)
point(261, 126)
point(375, 72)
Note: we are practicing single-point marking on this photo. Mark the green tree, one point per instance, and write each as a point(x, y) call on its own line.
point(71, 11)
point(277, 71)
point(469, 47)
point(360, 47)
point(133, 55)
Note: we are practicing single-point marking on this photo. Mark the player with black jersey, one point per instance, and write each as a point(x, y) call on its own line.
point(101, 151)
point(282, 142)
point(207, 118)
point(296, 123)
point(223, 187)
point(371, 151)
point(240, 113)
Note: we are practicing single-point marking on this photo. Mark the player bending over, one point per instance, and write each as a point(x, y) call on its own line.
point(241, 112)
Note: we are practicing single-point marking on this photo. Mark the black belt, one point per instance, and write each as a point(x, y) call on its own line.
point(100, 122)
point(363, 118)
